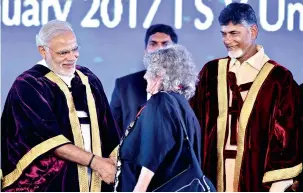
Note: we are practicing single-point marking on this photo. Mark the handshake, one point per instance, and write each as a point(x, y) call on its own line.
point(105, 167)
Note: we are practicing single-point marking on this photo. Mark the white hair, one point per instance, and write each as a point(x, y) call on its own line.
point(177, 68)
point(50, 30)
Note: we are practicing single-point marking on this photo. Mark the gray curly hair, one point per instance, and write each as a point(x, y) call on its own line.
point(176, 67)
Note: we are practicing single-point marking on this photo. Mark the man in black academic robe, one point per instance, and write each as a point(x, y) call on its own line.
point(57, 127)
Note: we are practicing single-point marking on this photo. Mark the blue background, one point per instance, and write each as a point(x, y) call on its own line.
point(114, 52)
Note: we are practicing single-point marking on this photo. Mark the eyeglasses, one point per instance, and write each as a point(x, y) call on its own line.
point(64, 53)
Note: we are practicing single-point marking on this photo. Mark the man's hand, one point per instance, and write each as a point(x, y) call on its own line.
point(105, 167)
point(280, 186)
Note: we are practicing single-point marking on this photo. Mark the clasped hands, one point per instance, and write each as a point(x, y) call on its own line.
point(105, 167)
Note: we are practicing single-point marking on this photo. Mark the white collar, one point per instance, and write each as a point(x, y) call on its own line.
point(257, 61)
point(66, 79)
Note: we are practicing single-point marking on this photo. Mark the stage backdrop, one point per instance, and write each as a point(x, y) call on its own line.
point(111, 32)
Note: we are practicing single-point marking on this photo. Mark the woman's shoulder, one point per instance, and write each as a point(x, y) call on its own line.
point(160, 102)
point(160, 98)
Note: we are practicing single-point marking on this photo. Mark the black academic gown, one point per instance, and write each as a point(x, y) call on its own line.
point(39, 116)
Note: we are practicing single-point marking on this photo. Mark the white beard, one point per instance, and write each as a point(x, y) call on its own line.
point(236, 53)
point(60, 70)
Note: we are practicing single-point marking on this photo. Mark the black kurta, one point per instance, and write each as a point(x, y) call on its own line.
point(40, 115)
point(156, 142)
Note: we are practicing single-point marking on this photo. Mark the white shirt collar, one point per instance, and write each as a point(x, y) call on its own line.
point(257, 61)
point(66, 79)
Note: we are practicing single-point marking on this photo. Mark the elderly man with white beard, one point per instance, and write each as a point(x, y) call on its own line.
point(57, 128)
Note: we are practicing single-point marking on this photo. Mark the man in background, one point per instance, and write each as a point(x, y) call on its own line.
point(130, 91)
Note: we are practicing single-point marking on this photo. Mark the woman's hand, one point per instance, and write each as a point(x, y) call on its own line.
point(105, 167)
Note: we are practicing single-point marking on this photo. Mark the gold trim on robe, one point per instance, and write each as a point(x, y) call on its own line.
point(75, 125)
point(282, 174)
point(221, 120)
point(243, 120)
point(96, 141)
point(30, 156)
point(114, 153)
point(244, 117)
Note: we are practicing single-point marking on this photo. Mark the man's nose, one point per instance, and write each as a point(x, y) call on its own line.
point(72, 55)
point(227, 39)
point(159, 46)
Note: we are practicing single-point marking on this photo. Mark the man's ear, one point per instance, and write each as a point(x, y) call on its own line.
point(42, 51)
point(254, 31)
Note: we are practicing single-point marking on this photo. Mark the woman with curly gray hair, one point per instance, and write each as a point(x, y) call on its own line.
point(173, 69)
point(160, 150)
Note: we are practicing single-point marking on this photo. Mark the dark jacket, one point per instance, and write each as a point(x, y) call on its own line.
point(128, 96)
